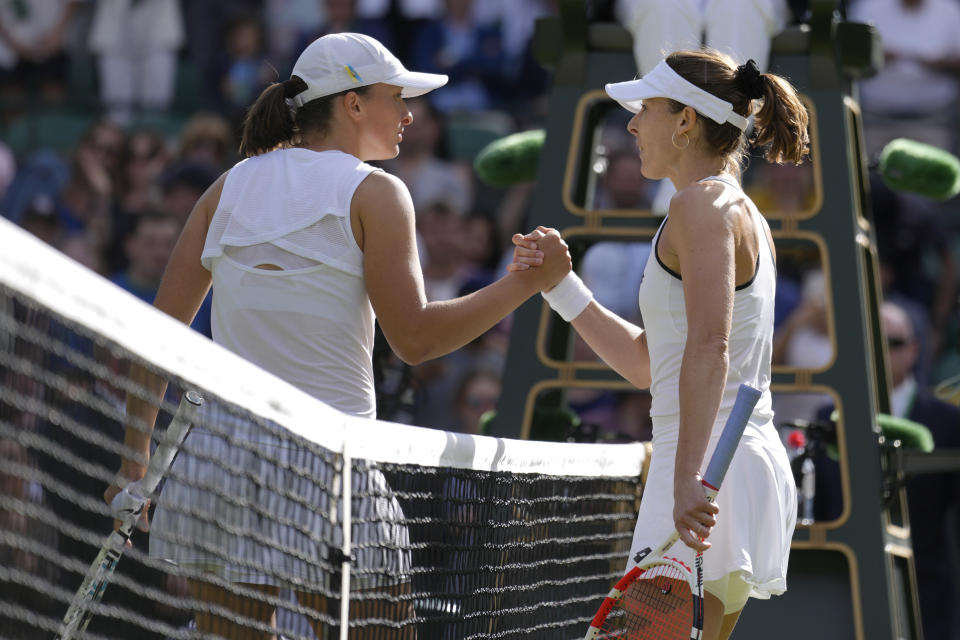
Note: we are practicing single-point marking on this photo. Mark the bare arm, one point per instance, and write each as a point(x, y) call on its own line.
point(703, 239)
point(621, 344)
point(184, 286)
point(416, 329)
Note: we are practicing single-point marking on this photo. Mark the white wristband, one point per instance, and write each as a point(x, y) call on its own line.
point(569, 298)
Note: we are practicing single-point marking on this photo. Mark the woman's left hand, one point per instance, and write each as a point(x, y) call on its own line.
point(693, 515)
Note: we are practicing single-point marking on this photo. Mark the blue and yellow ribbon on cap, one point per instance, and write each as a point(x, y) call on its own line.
point(353, 73)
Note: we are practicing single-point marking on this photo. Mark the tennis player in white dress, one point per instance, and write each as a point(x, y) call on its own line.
point(305, 244)
point(706, 300)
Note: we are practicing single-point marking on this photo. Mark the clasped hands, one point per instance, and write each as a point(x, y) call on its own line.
point(543, 253)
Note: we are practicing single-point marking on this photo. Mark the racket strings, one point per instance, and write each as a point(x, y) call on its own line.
point(654, 607)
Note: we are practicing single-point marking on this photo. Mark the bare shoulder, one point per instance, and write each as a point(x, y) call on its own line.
point(707, 207)
point(381, 209)
point(381, 190)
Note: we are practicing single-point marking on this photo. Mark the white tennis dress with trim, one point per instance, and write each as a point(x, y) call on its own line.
point(310, 323)
point(758, 504)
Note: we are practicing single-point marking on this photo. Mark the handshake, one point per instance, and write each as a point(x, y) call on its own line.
point(545, 255)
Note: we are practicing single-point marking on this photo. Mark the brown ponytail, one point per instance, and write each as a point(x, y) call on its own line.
point(781, 122)
point(269, 122)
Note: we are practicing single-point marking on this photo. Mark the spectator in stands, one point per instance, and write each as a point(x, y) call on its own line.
point(144, 161)
point(916, 93)
point(32, 59)
point(341, 17)
point(85, 202)
point(285, 23)
point(206, 138)
point(40, 219)
point(243, 68)
point(613, 270)
point(481, 251)
point(912, 236)
point(84, 250)
point(933, 499)
point(205, 25)
point(476, 258)
point(182, 185)
point(136, 43)
point(468, 52)
point(803, 341)
point(523, 80)
point(442, 227)
point(148, 246)
point(622, 186)
point(398, 20)
point(441, 240)
point(740, 28)
point(47, 172)
point(425, 165)
point(109, 140)
point(477, 394)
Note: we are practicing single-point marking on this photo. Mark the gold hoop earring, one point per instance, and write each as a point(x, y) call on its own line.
point(673, 139)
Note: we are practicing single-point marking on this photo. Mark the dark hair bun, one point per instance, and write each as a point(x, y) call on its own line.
point(749, 80)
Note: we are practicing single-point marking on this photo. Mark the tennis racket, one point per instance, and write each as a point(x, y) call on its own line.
point(662, 598)
point(127, 506)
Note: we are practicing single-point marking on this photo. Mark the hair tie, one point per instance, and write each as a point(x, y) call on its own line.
point(750, 81)
point(290, 88)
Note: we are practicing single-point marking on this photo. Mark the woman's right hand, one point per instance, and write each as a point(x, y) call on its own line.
point(114, 490)
point(526, 254)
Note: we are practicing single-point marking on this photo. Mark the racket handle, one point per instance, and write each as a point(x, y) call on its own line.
point(747, 398)
point(170, 442)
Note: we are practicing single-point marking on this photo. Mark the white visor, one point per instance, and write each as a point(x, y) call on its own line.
point(664, 82)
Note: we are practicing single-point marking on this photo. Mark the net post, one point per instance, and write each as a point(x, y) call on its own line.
point(346, 523)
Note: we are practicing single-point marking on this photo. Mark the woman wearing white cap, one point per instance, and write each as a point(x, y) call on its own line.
point(707, 307)
point(302, 243)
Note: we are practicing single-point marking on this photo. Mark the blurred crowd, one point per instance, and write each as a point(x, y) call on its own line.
point(916, 94)
point(116, 115)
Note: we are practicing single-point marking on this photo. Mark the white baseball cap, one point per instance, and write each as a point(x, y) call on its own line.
point(341, 61)
point(664, 82)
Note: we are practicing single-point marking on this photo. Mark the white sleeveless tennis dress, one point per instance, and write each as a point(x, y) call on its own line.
point(758, 504)
point(312, 324)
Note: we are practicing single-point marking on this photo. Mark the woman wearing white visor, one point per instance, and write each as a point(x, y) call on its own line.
point(302, 243)
point(707, 307)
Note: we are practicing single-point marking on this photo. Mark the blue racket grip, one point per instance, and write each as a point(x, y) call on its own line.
point(747, 398)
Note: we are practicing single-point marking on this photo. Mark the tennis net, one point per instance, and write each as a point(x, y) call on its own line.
point(279, 515)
